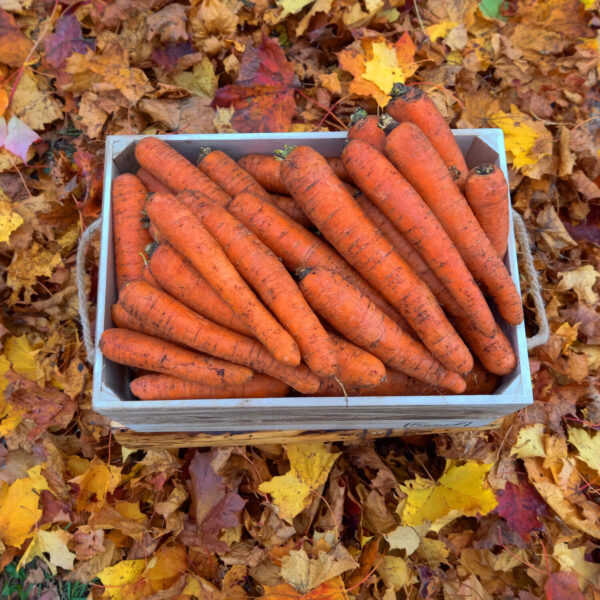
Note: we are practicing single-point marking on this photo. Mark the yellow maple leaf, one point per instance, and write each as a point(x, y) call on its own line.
point(309, 468)
point(19, 511)
point(394, 572)
point(459, 491)
point(97, 481)
point(33, 102)
point(440, 30)
point(21, 355)
point(9, 221)
point(291, 7)
point(530, 442)
point(115, 578)
point(27, 266)
point(527, 141)
point(333, 589)
point(587, 445)
point(51, 547)
point(383, 69)
point(581, 280)
point(201, 81)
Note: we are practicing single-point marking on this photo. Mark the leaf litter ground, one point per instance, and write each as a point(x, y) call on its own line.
point(513, 512)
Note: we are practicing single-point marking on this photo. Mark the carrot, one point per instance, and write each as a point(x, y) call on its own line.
point(174, 170)
point(166, 387)
point(227, 174)
point(398, 384)
point(337, 166)
point(153, 184)
point(141, 351)
point(257, 264)
point(177, 276)
point(148, 277)
point(480, 381)
point(357, 367)
point(153, 232)
point(290, 207)
point(364, 127)
point(129, 236)
point(158, 314)
point(397, 199)
point(359, 320)
point(487, 194)
point(412, 153)
point(184, 231)
point(296, 246)
point(265, 169)
point(339, 218)
point(495, 353)
point(415, 106)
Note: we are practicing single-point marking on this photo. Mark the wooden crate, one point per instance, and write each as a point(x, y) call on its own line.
point(250, 420)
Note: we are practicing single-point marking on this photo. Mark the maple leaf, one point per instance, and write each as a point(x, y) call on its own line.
point(395, 572)
point(376, 65)
point(459, 491)
point(115, 578)
point(9, 221)
point(587, 445)
point(563, 586)
point(95, 483)
point(333, 589)
point(66, 39)
point(573, 559)
point(16, 137)
point(581, 280)
point(520, 506)
point(309, 468)
point(263, 96)
point(527, 141)
point(189, 115)
point(14, 46)
point(214, 506)
point(51, 547)
point(19, 511)
point(305, 573)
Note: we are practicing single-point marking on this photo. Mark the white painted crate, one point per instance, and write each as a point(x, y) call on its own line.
point(111, 395)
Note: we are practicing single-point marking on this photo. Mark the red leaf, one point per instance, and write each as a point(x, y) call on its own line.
point(263, 96)
point(14, 45)
point(520, 505)
point(563, 586)
point(66, 39)
point(213, 504)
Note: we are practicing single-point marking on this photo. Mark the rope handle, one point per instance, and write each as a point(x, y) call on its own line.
point(520, 233)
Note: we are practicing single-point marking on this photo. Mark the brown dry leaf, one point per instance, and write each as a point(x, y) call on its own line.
point(169, 23)
point(190, 115)
point(14, 46)
point(552, 231)
point(581, 280)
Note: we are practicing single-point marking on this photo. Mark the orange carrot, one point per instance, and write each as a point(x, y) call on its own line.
point(415, 106)
point(357, 367)
point(480, 381)
point(487, 194)
point(227, 174)
point(495, 353)
point(160, 315)
point(257, 264)
point(148, 277)
point(359, 320)
point(166, 387)
point(337, 166)
point(265, 169)
point(397, 199)
point(399, 384)
point(412, 153)
point(364, 127)
point(296, 246)
point(152, 184)
point(141, 351)
point(290, 207)
point(174, 170)
point(153, 232)
point(339, 218)
point(184, 231)
point(129, 236)
point(178, 277)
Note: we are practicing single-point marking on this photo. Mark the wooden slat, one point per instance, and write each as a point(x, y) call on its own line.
point(133, 439)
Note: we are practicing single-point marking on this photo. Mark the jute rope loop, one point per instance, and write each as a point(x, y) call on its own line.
point(520, 233)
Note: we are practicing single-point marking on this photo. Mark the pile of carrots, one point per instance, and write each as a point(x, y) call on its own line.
point(366, 274)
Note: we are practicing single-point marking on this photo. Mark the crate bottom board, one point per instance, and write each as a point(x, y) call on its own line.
point(145, 440)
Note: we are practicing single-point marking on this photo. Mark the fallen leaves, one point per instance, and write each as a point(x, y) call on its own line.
point(581, 280)
point(309, 467)
point(263, 97)
point(14, 46)
point(459, 491)
point(19, 511)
